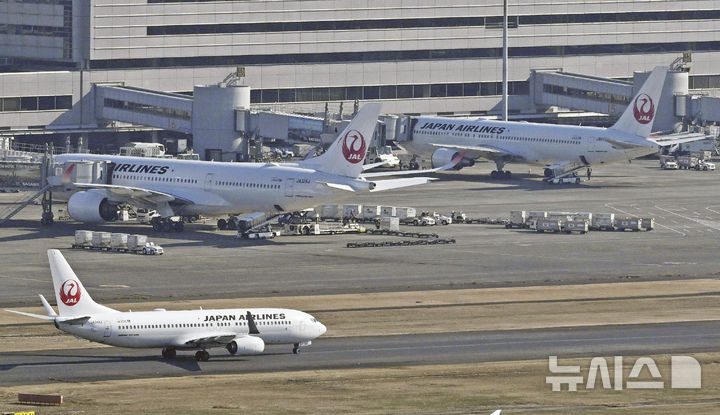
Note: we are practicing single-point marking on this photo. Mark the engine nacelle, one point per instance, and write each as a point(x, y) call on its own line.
point(246, 345)
point(443, 156)
point(91, 206)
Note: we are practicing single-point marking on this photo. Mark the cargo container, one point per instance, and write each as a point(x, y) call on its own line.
point(119, 241)
point(533, 216)
point(405, 214)
point(603, 222)
point(632, 224)
point(518, 219)
point(136, 242)
point(371, 211)
point(329, 212)
point(83, 239)
point(547, 225)
point(352, 211)
point(648, 224)
point(387, 211)
point(577, 225)
point(101, 240)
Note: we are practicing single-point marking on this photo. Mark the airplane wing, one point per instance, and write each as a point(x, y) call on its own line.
point(475, 152)
point(211, 340)
point(127, 193)
point(682, 138)
point(457, 159)
point(381, 185)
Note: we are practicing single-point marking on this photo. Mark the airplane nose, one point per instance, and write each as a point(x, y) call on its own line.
point(321, 328)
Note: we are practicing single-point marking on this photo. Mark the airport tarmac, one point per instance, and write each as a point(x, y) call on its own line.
point(204, 263)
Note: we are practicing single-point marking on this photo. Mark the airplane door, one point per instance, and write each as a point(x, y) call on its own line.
point(209, 182)
point(107, 329)
point(289, 187)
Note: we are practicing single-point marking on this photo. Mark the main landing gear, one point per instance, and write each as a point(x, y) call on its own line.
point(168, 353)
point(202, 356)
point(495, 174)
point(296, 348)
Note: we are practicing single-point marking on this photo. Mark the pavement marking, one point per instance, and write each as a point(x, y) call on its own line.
point(608, 205)
point(707, 223)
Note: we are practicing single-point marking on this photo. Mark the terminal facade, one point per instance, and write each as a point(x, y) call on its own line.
point(61, 56)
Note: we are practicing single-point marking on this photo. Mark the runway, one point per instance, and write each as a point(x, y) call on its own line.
point(365, 352)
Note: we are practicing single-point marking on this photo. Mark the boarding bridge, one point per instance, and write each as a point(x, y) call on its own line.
point(579, 92)
point(140, 106)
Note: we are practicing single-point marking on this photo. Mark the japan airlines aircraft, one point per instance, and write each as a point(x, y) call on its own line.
point(561, 149)
point(243, 331)
point(186, 188)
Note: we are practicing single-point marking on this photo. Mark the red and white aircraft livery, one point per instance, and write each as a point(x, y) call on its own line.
point(241, 331)
point(185, 188)
point(562, 149)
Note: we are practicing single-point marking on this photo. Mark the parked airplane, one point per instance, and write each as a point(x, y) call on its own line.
point(562, 149)
point(186, 188)
point(241, 331)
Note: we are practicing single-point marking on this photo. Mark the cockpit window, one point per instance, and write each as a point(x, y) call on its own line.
point(313, 320)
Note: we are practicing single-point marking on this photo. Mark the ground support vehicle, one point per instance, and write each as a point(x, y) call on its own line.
point(518, 219)
point(580, 226)
point(547, 225)
point(632, 224)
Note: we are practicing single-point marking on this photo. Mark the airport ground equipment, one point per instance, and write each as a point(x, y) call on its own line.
point(322, 228)
point(603, 222)
point(631, 224)
point(687, 162)
point(518, 219)
point(648, 224)
point(424, 220)
point(405, 214)
point(115, 242)
point(705, 165)
point(670, 165)
point(458, 216)
point(440, 218)
point(578, 225)
point(547, 225)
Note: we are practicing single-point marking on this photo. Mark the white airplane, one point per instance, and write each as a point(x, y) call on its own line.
point(562, 149)
point(243, 331)
point(187, 188)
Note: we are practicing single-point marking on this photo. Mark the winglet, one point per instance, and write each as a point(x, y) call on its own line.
point(252, 328)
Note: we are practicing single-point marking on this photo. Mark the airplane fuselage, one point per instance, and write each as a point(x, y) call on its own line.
point(155, 329)
point(217, 187)
point(533, 143)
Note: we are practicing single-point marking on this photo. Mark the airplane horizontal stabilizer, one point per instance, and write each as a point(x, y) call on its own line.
point(381, 185)
point(72, 320)
point(339, 186)
point(371, 166)
point(621, 145)
point(41, 317)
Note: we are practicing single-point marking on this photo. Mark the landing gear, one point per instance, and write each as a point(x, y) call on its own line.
point(202, 356)
point(495, 174)
point(413, 164)
point(222, 224)
point(296, 348)
point(499, 173)
point(168, 353)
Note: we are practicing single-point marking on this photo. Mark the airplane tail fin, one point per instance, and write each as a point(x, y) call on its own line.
point(347, 153)
point(639, 115)
point(72, 299)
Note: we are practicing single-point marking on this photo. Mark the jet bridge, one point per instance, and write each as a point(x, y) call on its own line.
point(580, 92)
point(144, 107)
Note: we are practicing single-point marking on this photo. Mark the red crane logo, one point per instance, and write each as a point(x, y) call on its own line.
point(353, 147)
point(644, 109)
point(70, 292)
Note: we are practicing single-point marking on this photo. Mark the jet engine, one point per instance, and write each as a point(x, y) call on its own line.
point(246, 345)
point(443, 156)
point(91, 206)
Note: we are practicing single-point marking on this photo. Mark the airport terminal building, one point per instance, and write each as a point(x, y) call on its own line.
point(417, 57)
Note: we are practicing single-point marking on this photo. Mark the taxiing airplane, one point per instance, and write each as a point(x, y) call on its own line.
point(562, 149)
point(243, 331)
point(187, 188)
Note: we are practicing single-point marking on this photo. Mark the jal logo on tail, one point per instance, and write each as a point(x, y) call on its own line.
point(70, 292)
point(353, 147)
point(644, 109)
